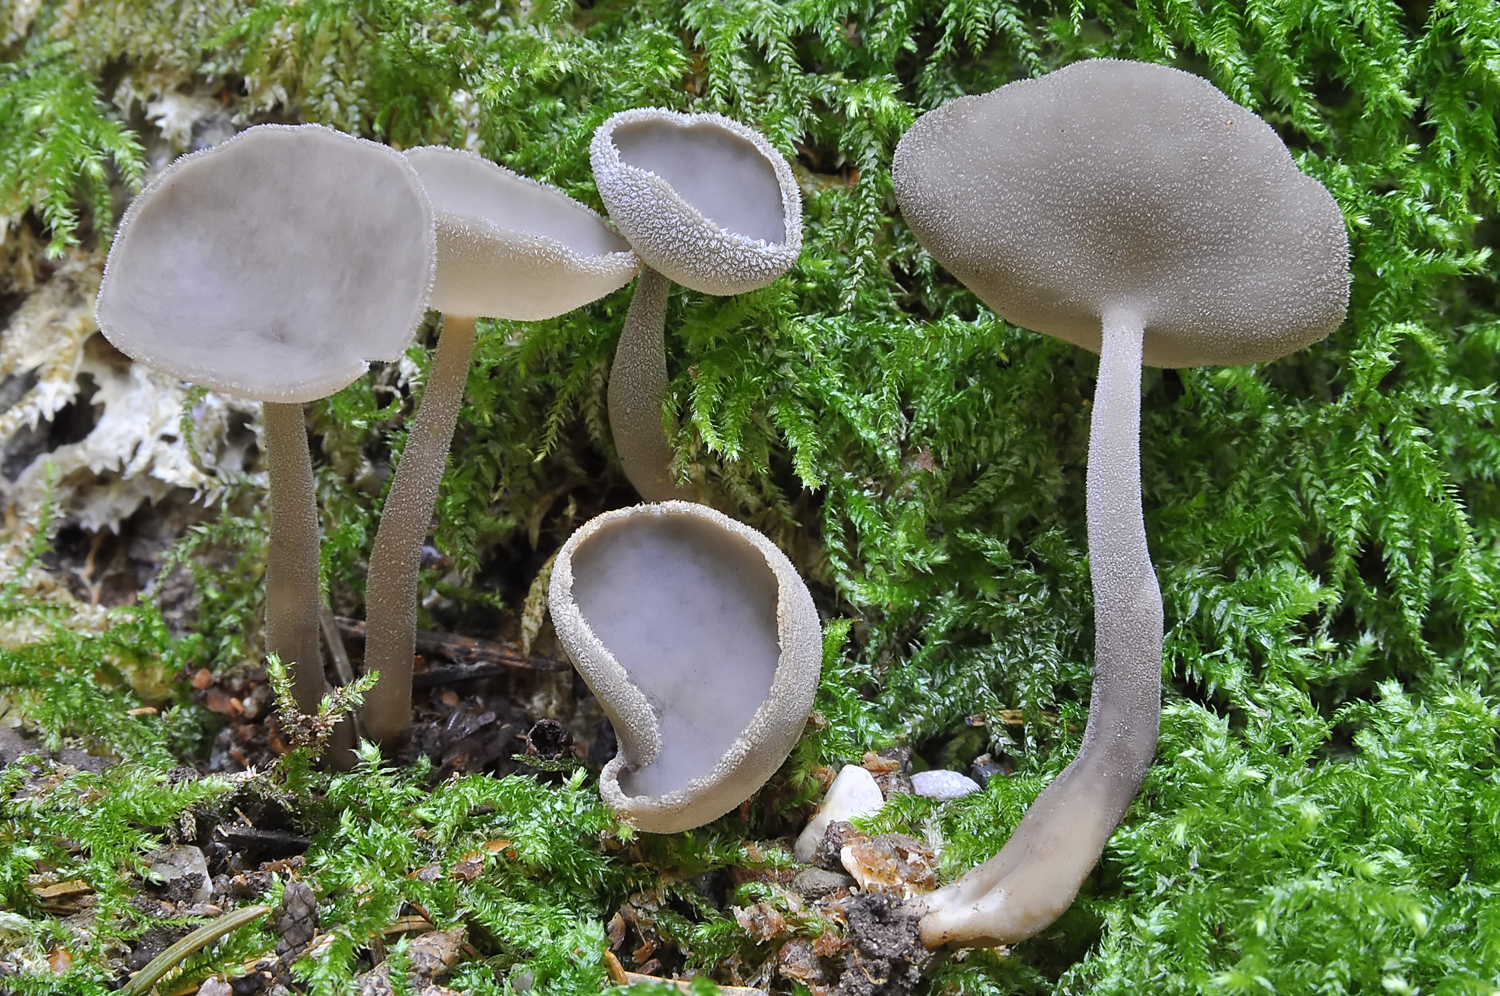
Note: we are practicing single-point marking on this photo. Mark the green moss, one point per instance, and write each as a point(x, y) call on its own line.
point(1321, 814)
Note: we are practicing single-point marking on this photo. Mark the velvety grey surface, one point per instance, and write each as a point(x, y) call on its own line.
point(274, 265)
point(510, 247)
point(678, 231)
point(462, 183)
point(1112, 185)
point(637, 391)
point(689, 611)
point(713, 169)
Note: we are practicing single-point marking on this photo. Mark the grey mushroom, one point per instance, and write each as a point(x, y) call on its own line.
point(1134, 210)
point(274, 266)
point(708, 203)
point(507, 247)
point(703, 646)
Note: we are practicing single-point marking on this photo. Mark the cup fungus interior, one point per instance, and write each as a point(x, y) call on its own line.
point(239, 279)
point(716, 171)
point(690, 612)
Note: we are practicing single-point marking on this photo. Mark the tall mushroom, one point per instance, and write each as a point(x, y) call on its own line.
point(508, 247)
point(274, 266)
point(706, 202)
point(703, 646)
point(1136, 211)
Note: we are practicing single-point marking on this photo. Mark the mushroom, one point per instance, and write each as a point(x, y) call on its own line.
point(508, 247)
point(1136, 211)
point(702, 644)
point(274, 266)
point(706, 202)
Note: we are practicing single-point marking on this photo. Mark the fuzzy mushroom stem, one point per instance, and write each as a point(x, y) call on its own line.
point(637, 386)
point(395, 558)
point(1039, 870)
point(292, 596)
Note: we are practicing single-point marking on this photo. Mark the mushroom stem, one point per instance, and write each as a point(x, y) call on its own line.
point(396, 557)
point(1039, 870)
point(637, 386)
point(292, 595)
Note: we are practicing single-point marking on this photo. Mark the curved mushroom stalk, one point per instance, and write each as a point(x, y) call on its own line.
point(396, 556)
point(274, 266)
point(708, 203)
point(508, 247)
point(1039, 870)
point(1134, 210)
point(637, 389)
point(703, 646)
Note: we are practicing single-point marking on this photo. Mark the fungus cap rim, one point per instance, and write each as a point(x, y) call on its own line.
point(772, 728)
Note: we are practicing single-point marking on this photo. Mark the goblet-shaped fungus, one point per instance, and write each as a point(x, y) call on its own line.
point(1134, 210)
point(702, 644)
point(706, 202)
point(508, 247)
point(273, 267)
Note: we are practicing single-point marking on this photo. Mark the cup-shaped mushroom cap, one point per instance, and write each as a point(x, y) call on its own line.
point(703, 646)
point(272, 266)
point(1134, 190)
point(703, 199)
point(510, 247)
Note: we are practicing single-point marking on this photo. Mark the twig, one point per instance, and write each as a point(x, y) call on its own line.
point(341, 743)
point(471, 658)
point(189, 945)
point(335, 643)
point(253, 838)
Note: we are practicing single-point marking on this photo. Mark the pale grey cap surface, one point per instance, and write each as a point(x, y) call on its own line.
point(272, 266)
point(1128, 189)
point(703, 199)
point(510, 247)
point(704, 648)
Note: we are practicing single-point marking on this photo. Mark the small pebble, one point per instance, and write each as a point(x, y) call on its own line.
point(853, 793)
point(943, 785)
point(815, 883)
point(985, 768)
point(184, 864)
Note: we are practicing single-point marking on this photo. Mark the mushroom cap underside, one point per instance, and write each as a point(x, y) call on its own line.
point(510, 247)
point(703, 199)
point(1131, 191)
point(703, 646)
point(272, 266)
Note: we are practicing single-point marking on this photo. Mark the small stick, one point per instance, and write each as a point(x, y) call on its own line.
point(189, 945)
point(335, 641)
point(465, 650)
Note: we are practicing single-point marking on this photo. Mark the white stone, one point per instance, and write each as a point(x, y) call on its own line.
point(943, 785)
point(173, 863)
point(853, 793)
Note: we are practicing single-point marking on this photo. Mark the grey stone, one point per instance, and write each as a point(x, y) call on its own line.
point(943, 785)
point(815, 883)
